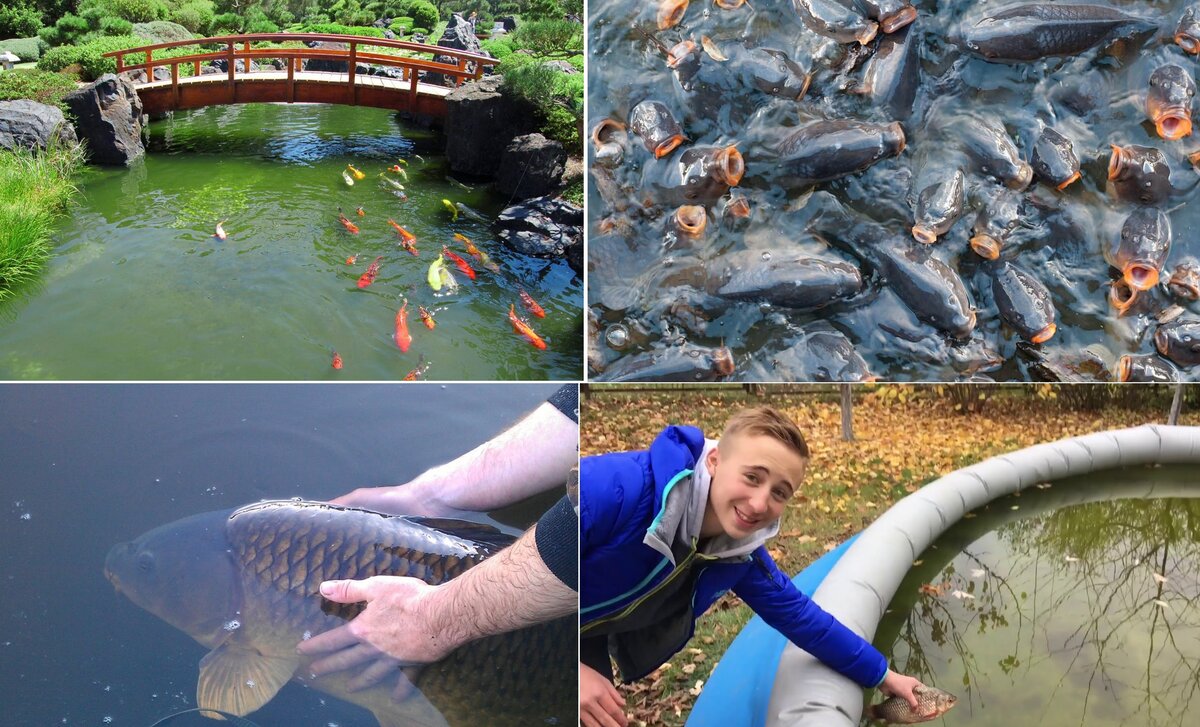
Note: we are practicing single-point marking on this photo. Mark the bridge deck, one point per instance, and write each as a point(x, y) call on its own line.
point(360, 79)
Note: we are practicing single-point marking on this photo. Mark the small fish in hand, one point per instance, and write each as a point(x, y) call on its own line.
point(931, 702)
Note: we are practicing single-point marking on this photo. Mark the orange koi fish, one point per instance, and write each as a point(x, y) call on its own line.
point(337, 360)
point(347, 223)
point(361, 212)
point(369, 277)
point(426, 317)
point(419, 371)
point(352, 260)
point(531, 304)
point(471, 249)
point(523, 328)
point(220, 233)
point(403, 340)
point(395, 168)
point(407, 239)
point(459, 262)
point(357, 174)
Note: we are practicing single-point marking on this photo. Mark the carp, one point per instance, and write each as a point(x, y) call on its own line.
point(1054, 159)
point(893, 72)
point(1031, 32)
point(1184, 282)
point(244, 583)
point(1179, 340)
point(931, 702)
point(686, 362)
point(657, 127)
point(818, 355)
point(1024, 302)
point(825, 150)
point(1146, 368)
point(1139, 174)
point(833, 19)
point(939, 203)
point(1187, 32)
point(1169, 101)
point(1142, 249)
point(791, 280)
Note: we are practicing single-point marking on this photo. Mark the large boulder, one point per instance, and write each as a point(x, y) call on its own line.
point(322, 64)
point(458, 35)
point(26, 124)
point(480, 121)
point(161, 73)
point(546, 227)
point(108, 116)
point(531, 166)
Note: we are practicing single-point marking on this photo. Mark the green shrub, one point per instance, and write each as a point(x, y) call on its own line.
point(226, 24)
point(576, 62)
point(424, 14)
point(557, 97)
point(27, 49)
point(59, 57)
point(19, 20)
point(497, 47)
point(543, 10)
point(420, 31)
point(116, 26)
point(400, 28)
point(256, 21)
point(406, 22)
point(69, 29)
point(197, 15)
point(89, 56)
point(138, 11)
point(42, 86)
point(336, 29)
point(549, 37)
point(161, 31)
point(562, 125)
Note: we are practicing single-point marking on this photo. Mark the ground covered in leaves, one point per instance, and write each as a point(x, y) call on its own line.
point(904, 437)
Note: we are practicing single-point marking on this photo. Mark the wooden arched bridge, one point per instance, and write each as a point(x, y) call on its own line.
point(190, 86)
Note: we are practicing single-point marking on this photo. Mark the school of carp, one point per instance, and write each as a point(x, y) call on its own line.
point(851, 190)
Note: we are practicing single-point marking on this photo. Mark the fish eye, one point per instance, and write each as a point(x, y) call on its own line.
point(145, 562)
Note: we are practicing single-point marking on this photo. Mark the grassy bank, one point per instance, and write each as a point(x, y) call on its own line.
point(34, 190)
point(905, 437)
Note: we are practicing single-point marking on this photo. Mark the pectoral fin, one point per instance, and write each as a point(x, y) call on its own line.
point(239, 680)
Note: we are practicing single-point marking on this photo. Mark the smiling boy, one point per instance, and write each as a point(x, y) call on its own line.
point(666, 531)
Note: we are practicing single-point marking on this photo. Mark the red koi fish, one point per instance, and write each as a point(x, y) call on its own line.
point(426, 317)
point(361, 212)
point(531, 304)
point(419, 371)
point(347, 223)
point(337, 360)
point(220, 232)
point(403, 340)
point(369, 277)
point(459, 262)
point(352, 260)
point(407, 239)
point(523, 328)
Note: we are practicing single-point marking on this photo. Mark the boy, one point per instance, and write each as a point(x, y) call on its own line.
point(665, 532)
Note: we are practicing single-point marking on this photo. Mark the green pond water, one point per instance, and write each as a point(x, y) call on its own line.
point(1049, 611)
point(140, 288)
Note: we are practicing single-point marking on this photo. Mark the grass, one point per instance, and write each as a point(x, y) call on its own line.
point(34, 190)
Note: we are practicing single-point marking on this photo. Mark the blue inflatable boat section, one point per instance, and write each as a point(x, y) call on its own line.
point(739, 690)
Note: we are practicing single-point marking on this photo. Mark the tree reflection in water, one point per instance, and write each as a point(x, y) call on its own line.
point(1044, 608)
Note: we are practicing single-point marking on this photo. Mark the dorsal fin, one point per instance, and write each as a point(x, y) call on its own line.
point(485, 535)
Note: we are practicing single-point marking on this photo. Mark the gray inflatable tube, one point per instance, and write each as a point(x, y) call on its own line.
point(862, 583)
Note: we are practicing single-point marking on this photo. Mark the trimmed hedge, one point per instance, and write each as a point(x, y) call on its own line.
point(89, 56)
point(161, 31)
point(498, 48)
point(27, 49)
point(336, 29)
point(42, 86)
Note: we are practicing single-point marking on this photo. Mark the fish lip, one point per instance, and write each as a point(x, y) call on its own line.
point(1044, 335)
point(1124, 368)
point(730, 166)
point(1173, 124)
point(1116, 162)
point(923, 233)
point(1070, 180)
point(1161, 342)
point(602, 133)
point(897, 20)
point(723, 361)
point(867, 34)
point(727, 5)
point(674, 59)
point(1187, 43)
point(1140, 276)
point(1122, 296)
point(901, 139)
point(738, 207)
point(667, 146)
point(1022, 179)
point(670, 12)
point(1185, 284)
point(986, 246)
point(691, 219)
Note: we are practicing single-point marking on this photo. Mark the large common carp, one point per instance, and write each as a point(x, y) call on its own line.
point(245, 584)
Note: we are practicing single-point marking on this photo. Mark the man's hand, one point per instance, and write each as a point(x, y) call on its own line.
point(898, 685)
point(399, 627)
point(402, 499)
point(600, 704)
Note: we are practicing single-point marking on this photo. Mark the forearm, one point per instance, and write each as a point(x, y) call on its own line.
point(532, 456)
point(508, 591)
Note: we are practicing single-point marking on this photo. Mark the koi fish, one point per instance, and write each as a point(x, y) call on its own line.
point(469, 213)
point(395, 185)
point(459, 263)
point(471, 249)
point(523, 328)
point(399, 170)
point(403, 233)
point(337, 360)
point(353, 228)
point(453, 210)
point(448, 280)
point(357, 174)
point(402, 162)
point(403, 340)
point(419, 371)
point(435, 277)
point(426, 317)
point(369, 276)
point(361, 212)
point(531, 304)
point(220, 233)
point(347, 178)
point(352, 260)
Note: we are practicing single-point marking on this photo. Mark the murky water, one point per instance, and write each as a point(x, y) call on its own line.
point(1062, 606)
point(139, 288)
point(659, 284)
point(90, 466)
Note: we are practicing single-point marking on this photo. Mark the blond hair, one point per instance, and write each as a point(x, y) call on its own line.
point(769, 422)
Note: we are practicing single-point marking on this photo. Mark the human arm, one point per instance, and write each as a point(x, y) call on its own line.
point(773, 596)
point(600, 704)
point(411, 622)
point(532, 456)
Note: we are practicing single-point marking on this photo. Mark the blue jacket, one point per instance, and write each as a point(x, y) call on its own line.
point(622, 495)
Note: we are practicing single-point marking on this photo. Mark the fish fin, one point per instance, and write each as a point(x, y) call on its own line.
point(416, 711)
point(478, 532)
point(239, 680)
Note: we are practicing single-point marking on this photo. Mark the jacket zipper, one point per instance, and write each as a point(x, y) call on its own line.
point(682, 567)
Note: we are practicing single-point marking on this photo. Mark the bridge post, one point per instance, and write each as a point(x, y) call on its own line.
point(291, 82)
point(149, 66)
point(120, 62)
point(352, 68)
point(247, 47)
point(197, 68)
point(175, 83)
point(229, 62)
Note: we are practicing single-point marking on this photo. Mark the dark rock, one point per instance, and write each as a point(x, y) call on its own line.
point(222, 65)
point(458, 35)
point(509, 22)
point(209, 70)
point(389, 35)
point(379, 24)
point(386, 71)
point(139, 76)
point(279, 64)
point(28, 124)
point(324, 64)
point(545, 227)
point(531, 166)
point(480, 121)
point(561, 66)
point(108, 117)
